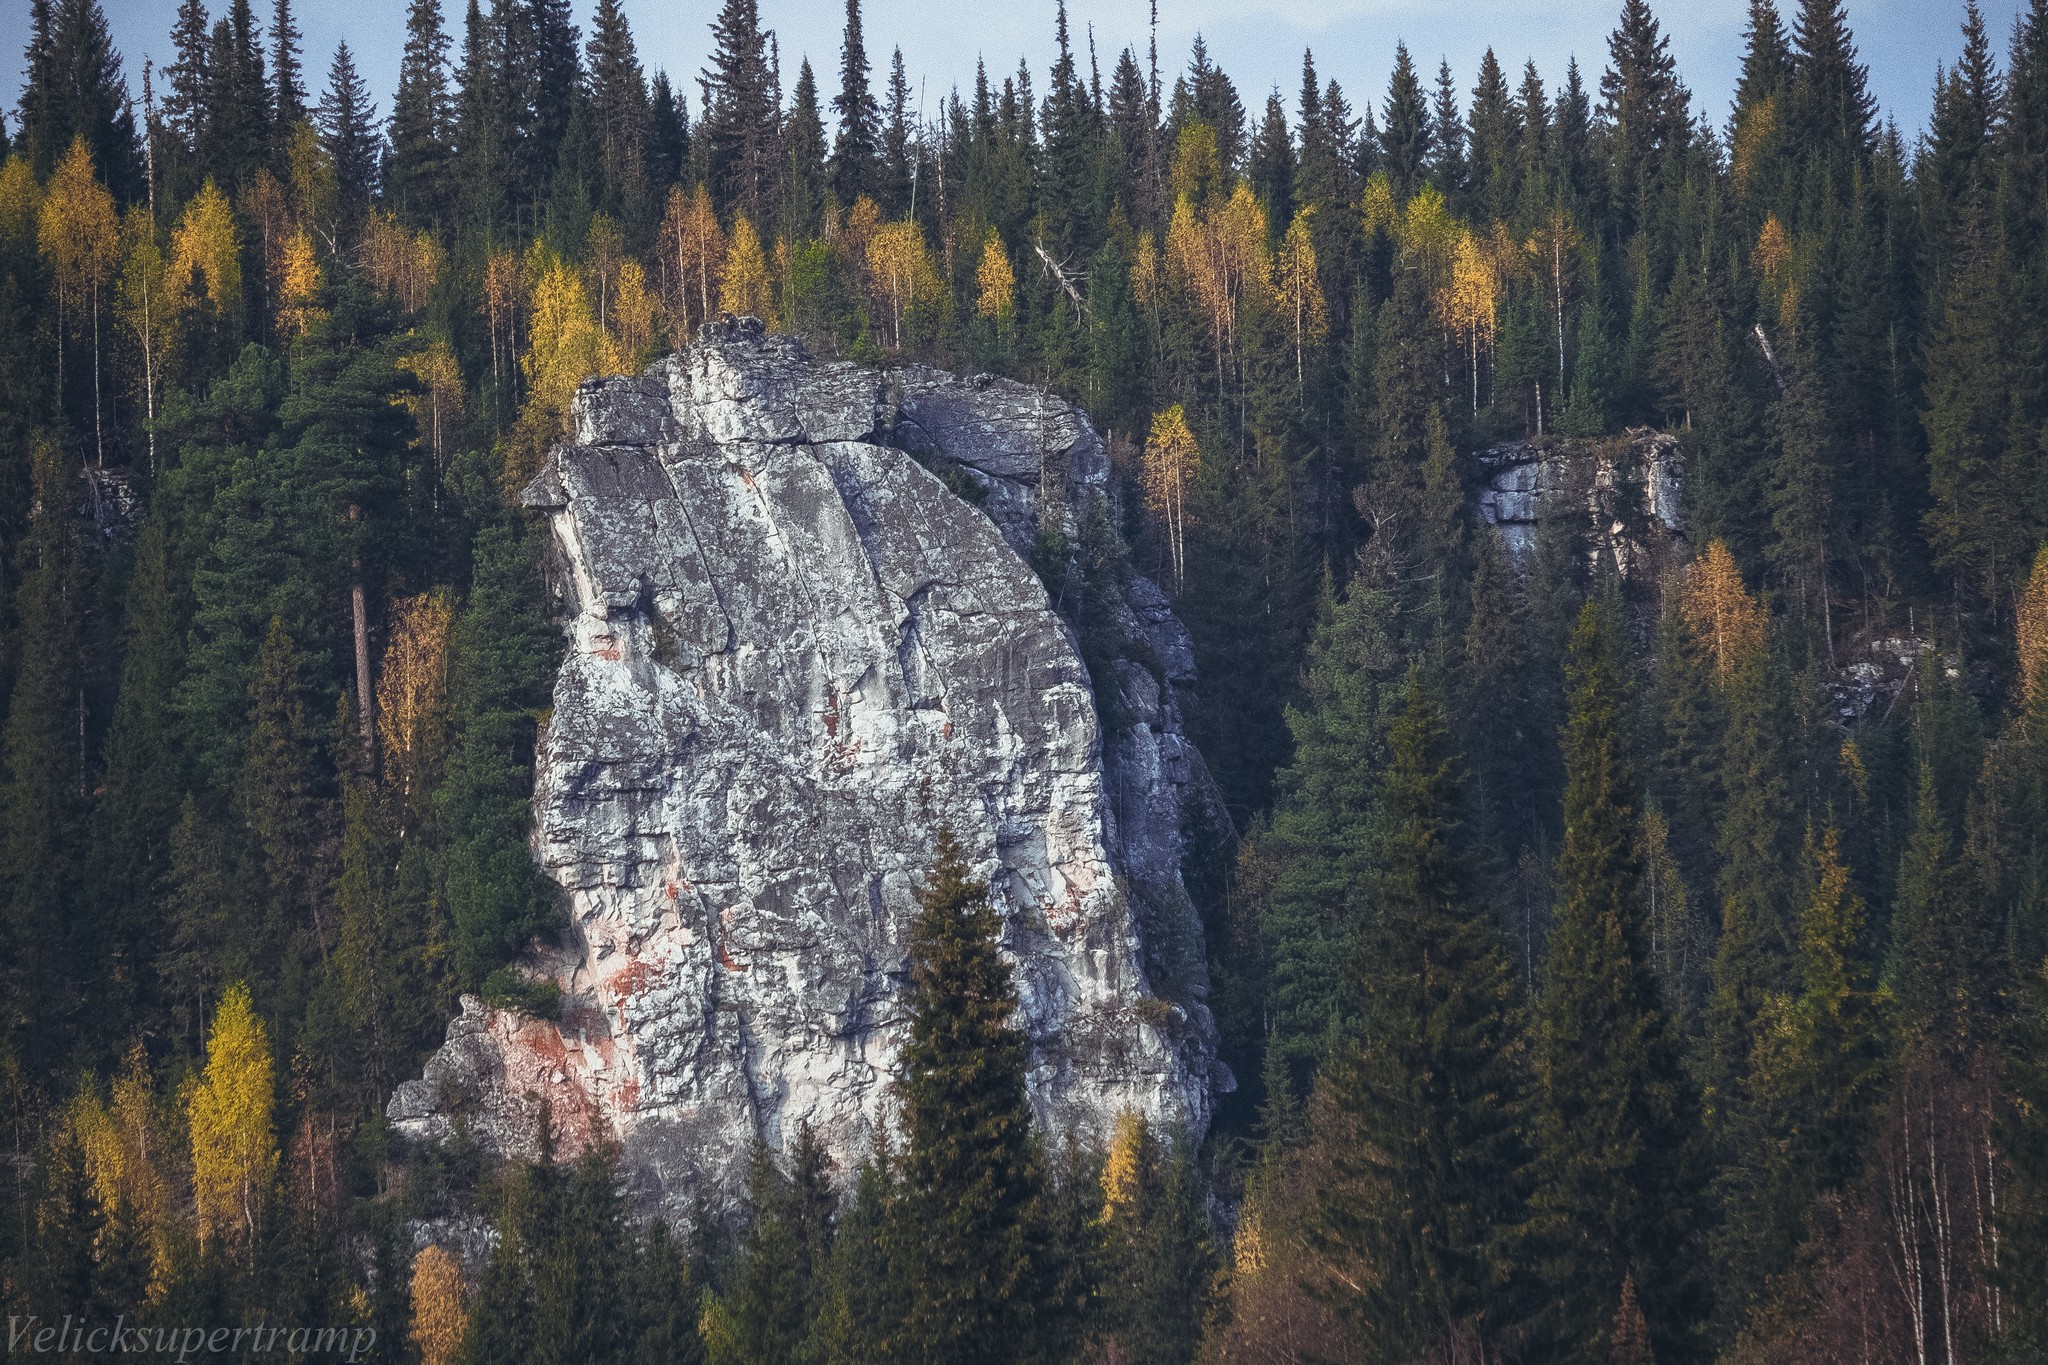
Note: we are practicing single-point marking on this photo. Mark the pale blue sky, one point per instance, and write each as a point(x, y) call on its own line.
point(1259, 42)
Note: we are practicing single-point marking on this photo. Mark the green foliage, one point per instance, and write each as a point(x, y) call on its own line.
point(1616, 1171)
point(1326, 828)
point(1421, 1105)
point(964, 1234)
point(502, 662)
point(573, 1279)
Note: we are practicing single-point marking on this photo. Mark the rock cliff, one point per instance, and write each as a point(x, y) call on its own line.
point(1623, 495)
point(804, 630)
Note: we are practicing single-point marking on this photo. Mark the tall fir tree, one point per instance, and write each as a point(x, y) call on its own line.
point(1422, 1107)
point(740, 124)
point(348, 130)
point(856, 150)
point(287, 72)
point(417, 165)
point(49, 949)
point(1405, 129)
point(1615, 1198)
point(971, 1174)
point(623, 117)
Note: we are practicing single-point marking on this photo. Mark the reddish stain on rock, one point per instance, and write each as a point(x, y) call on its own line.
point(633, 980)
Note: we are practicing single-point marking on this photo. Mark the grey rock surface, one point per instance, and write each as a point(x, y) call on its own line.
point(795, 649)
point(1629, 490)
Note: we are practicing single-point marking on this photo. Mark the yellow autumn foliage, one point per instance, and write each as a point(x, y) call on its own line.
point(1197, 171)
point(504, 295)
point(21, 199)
point(902, 274)
point(632, 314)
point(1124, 1169)
point(1773, 251)
point(298, 286)
point(1170, 461)
point(690, 250)
point(566, 345)
point(1753, 133)
point(1219, 258)
point(1429, 236)
point(438, 1319)
point(76, 228)
point(1377, 206)
point(142, 306)
point(206, 254)
point(743, 280)
point(2032, 632)
point(995, 283)
point(1145, 270)
point(1299, 291)
point(229, 1112)
point(125, 1168)
point(439, 400)
point(403, 264)
point(412, 689)
point(1470, 297)
point(1720, 612)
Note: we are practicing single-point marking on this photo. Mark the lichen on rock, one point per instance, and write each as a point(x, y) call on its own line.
point(794, 651)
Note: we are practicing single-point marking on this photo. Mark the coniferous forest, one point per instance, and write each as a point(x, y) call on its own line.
point(1600, 987)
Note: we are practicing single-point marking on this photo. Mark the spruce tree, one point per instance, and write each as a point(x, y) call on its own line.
point(143, 781)
point(1325, 825)
point(668, 142)
point(1496, 131)
point(185, 82)
point(1829, 115)
point(1422, 1108)
point(48, 948)
point(75, 90)
point(771, 1311)
point(1756, 137)
point(804, 184)
point(898, 151)
point(1405, 142)
point(856, 150)
point(287, 74)
point(1944, 967)
point(1645, 118)
point(550, 86)
point(1270, 165)
point(1447, 165)
point(501, 666)
point(2022, 1135)
point(622, 116)
point(1159, 1267)
point(347, 121)
point(481, 148)
point(970, 1171)
point(416, 169)
point(237, 135)
point(1615, 1187)
point(1982, 537)
point(739, 126)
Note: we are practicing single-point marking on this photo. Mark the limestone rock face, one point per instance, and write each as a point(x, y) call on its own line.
point(1627, 490)
point(796, 647)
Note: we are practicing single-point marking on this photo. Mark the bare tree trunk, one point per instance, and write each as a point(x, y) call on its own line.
point(365, 703)
point(99, 435)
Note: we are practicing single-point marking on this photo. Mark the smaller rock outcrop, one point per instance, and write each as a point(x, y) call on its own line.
point(1626, 493)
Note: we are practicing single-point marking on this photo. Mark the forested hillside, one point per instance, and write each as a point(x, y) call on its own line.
point(1618, 966)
